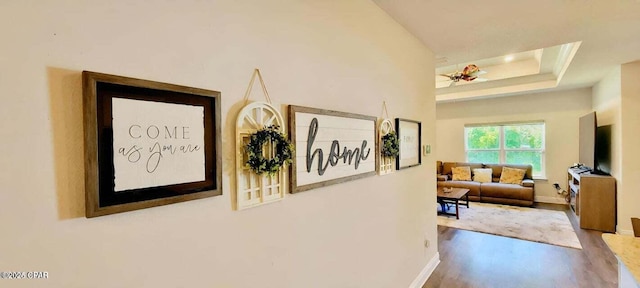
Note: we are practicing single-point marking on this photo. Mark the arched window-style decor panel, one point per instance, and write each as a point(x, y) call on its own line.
point(254, 189)
point(262, 150)
point(388, 145)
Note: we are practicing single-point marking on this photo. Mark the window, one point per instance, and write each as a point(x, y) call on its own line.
point(521, 143)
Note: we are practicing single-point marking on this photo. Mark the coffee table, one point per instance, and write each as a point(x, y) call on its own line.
point(452, 197)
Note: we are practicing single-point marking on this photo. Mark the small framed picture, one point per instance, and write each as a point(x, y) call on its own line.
point(148, 143)
point(409, 136)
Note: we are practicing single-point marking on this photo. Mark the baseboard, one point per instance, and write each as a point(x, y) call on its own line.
point(426, 272)
point(552, 200)
point(625, 232)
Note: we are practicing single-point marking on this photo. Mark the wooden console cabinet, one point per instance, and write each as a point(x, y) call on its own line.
point(593, 200)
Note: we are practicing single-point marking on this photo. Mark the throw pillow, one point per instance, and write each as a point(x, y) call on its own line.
point(462, 173)
point(512, 175)
point(482, 175)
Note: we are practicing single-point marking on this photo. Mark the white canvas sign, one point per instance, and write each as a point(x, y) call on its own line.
point(156, 144)
point(331, 148)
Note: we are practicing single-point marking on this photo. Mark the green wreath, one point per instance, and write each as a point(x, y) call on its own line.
point(390, 145)
point(283, 151)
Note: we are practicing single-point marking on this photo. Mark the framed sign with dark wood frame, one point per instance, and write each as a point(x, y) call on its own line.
point(410, 138)
point(148, 143)
point(331, 147)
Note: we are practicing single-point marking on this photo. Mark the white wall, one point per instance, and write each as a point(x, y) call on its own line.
point(559, 110)
point(340, 55)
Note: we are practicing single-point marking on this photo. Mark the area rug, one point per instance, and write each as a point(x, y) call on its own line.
point(538, 225)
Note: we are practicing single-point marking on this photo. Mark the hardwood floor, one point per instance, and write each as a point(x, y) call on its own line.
point(473, 259)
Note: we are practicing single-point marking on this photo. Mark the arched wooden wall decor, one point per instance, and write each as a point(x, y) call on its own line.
point(253, 189)
point(387, 164)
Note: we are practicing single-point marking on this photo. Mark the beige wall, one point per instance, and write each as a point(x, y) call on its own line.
point(629, 188)
point(559, 110)
point(340, 55)
point(607, 97)
point(615, 99)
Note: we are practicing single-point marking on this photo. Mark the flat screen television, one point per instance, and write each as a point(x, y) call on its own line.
point(595, 145)
point(603, 150)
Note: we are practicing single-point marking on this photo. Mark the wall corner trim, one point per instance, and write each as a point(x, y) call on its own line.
point(426, 272)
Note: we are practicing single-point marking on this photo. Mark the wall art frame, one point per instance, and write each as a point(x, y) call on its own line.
point(122, 172)
point(331, 147)
point(410, 137)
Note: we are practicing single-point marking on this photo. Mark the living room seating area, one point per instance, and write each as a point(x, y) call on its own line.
point(494, 183)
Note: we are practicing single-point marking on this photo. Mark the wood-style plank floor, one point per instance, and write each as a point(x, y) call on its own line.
point(472, 259)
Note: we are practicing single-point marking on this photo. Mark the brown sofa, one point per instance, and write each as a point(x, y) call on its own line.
point(494, 192)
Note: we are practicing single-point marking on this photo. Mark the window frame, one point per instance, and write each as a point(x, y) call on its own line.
point(502, 150)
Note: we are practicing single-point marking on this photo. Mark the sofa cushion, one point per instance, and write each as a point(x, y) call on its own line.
point(512, 175)
point(482, 175)
point(462, 173)
point(509, 191)
point(497, 169)
point(471, 165)
point(446, 166)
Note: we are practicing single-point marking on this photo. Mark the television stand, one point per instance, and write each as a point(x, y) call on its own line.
point(593, 199)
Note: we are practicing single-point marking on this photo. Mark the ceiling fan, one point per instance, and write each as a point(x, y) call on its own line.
point(469, 73)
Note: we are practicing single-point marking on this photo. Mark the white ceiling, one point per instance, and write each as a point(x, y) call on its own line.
point(467, 31)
